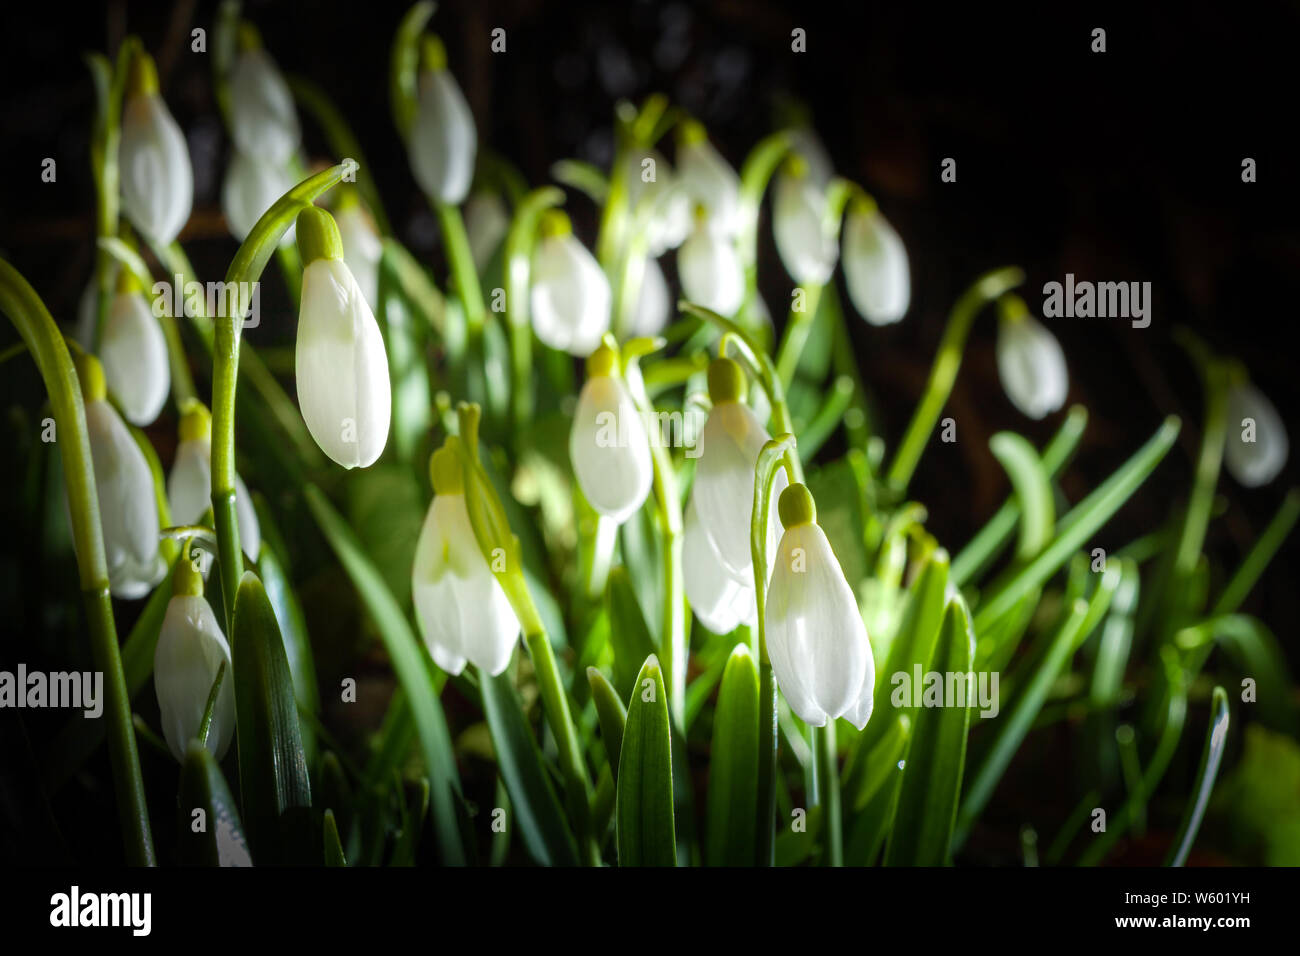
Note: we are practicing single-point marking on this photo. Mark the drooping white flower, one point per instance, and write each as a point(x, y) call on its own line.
point(443, 140)
point(134, 352)
point(655, 193)
point(707, 179)
point(189, 486)
point(1030, 361)
point(653, 304)
point(252, 186)
point(263, 120)
point(341, 365)
point(808, 145)
point(128, 511)
point(723, 492)
point(1257, 443)
point(806, 246)
point(189, 653)
point(362, 246)
point(709, 266)
point(464, 614)
point(486, 223)
point(821, 656)
point(608, 444)
point(717, 598)
point(875, 266)
point(154, 162)
point(569, 296)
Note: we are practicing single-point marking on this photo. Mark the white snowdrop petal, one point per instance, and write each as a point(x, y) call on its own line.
point(1257, 443)
point(570, 297)
point(443, 139)
point(342, 368)
point(190, 651)
point(1032, 367)
point(264, 122)
point(189, 486)
point(250, 531)
point(610, 449)
point(709, 181)
point(154, 162)
point(798, 212)
point(362, 250)
point(815, 635)
point(710, 270)
point(133, 351)
point(252, 186)
point(876, 268)
point(653, 304)
point(718, 599)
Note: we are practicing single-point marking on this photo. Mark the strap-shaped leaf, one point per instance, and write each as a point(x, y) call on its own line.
point(1216, 737)
point(611, 714)
point(1033, 491)
point(733, 765)
point(645, 776)
point(210, 833)
point(333, 846)
point(628, 635)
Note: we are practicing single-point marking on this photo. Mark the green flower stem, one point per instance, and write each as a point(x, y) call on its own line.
point(798, 325)
point(826, 774)
point(755, 174)
point(1261, 553)
point(602, 556)
point(465, 275)
point(109, 86)
point(249, 262)
point(943, 373)
point(206, 724)
point(518, 265)
point(38, 330)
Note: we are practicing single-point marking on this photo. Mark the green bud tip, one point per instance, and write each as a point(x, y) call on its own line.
point(555, 223)
point(433, 55)
point(795, 166)
point(445, 468)
point(247, 37)
point(91, 373)
point(141, 75)
point(196, 421)
point(188, 582)
point(127, 282)
point(1012, 308)
point(690, 132)
point(603, 361)
point(318, 236)
point(862, 205)
point(796, 506)
point(726, 381)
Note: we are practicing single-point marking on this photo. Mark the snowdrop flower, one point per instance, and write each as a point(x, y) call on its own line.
point(569, 298)
point(718, 599)
point(821, 656)
point(362, 245)
point(875, 265)
point(707, 179)
point(1257, 444)
point(190, 651)
point(464, 614)
point(723, 492)
point(157, 180)
point(608, 444)
point(189, 487)
point(128, 512)
point(1030, 361)
point(341, 365)
point(486, 223)
point(650, 181)
point(443, 139)
point(134, 353)
point(709, 266)
point(263, 120)
point(653, 305)
point(808, 145)
point(252, 186)
point(799, 225)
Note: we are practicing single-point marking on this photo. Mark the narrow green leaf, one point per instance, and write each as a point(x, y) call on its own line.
point(628, 635)
point(936, 757)
point(537, 810)
point(273, 783)
point(333, 846)
point(293, 627)
point(408, 374)
point(1216, 736)
point(414, 812)
point(210, 833)
point(645, 776)
point(733, 765)
point(1033, 491)
point(611, 714)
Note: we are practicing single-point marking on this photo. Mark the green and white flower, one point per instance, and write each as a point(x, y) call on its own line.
point(806, 247)
point(875, 265)
point(608, 444)
point(1257, 443)
point(719, 600)
point(444, 141)
point(707, 179)
point(362, 245)
point(709, 267)
point(263, 119)
point(189, 486)
point(252, 186)
point(1030, 361)
point(569, 297)
point(157, 179)
point(133, 350)
point(653, 302)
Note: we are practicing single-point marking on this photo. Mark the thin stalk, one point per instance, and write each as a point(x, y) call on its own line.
point(827, 777)
point(1261, 553)
point(798, 325)
point(755, 174)
point(461, 260)
point(518, 266)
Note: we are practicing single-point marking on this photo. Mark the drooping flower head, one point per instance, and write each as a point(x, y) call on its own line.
point(252, 186)
point(569, 296)
point(805, 244)
point(463, 612)
point(134, 352)
point(443, 140)
point(707, 179)
point(1030, 361)
point(362, 245)
point(157, 179)
point(709, 266)
point(263, 119)
point(608, 444)
point(341, 365)
point(1256, 445)
point(189, 486)
point(875, 265)
point(821, 656)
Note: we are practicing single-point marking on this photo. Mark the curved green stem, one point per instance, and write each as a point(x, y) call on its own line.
point(943, 373)
point(755, 174)
point(518, 259)
point(38, 330)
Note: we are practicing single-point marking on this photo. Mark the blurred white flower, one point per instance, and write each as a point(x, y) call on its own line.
point(807, 249)
point(651, 183)
point(709, 267)
point(875, 266)
point(821, 656)
point(808, 145)
point(717, 598)
point(464, 614)
point(1030, 363)
point(443, 141)
point(341, 365)
point(252, 186)
point(608, 443)
point(362, 246)
point(263, 120)
point(154, 162)
point(569, 295)
point(707, 179)
point(653, 303)
point(134, 352)
point(189, 486)
point(1257, 443)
